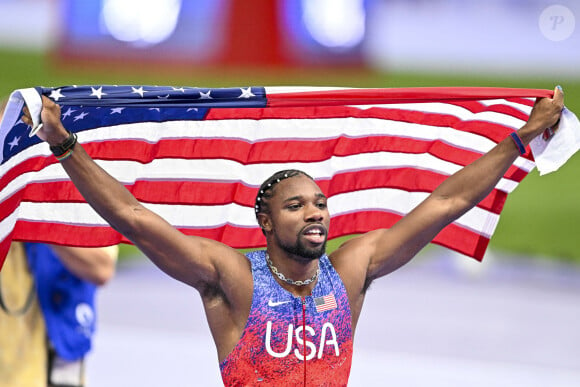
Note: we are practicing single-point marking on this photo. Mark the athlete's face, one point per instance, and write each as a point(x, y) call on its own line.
point(299, 217)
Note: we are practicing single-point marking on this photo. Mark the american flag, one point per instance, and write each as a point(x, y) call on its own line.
point(325, 303)
point(197, 156)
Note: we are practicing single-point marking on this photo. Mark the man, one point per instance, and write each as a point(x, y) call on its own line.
point(287, 315)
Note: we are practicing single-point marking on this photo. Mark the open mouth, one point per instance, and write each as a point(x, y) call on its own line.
point(315, 234)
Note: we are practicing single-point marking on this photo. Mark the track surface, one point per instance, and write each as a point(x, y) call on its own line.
point(443, 320)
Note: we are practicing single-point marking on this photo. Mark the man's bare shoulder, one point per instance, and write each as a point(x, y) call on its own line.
point(356, 258)
point(233, 266)
point(351, 259)
point(222, 256)
point(360, 246)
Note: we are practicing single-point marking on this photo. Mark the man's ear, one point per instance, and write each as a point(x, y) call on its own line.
point(265, 222)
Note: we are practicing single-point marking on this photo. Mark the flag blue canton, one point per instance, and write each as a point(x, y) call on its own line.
point(157, 96)
point(88, 107)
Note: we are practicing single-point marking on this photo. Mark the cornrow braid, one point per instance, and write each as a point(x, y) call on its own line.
point(266, 190)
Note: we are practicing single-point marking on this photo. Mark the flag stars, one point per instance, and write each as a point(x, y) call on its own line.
point(246, 93)
point(97, 92)
point(138, 90)
point(81, 116)
point(56, 95)
point(203, 95)
point(179, 89)
point(14, 142)
point(68, 113)
point(117, 110)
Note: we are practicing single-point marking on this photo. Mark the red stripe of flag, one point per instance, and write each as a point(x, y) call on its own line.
point(400, 95)
point(220, 193)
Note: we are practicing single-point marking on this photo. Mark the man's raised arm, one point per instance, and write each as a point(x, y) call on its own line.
point(390, 249)
point(187, 259)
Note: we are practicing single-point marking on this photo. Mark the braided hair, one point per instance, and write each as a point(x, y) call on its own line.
point(266, 191)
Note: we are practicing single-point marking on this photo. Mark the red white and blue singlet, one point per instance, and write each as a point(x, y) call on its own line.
point(292, 340)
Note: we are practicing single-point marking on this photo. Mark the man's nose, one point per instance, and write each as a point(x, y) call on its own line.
point(314, 213)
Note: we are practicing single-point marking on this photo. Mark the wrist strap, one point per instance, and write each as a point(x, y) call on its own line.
point(519, 143)
point(64, 149)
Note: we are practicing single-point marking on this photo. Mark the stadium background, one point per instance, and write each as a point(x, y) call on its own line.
point(510, 320)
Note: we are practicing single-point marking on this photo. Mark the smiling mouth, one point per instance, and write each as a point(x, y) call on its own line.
point(315, 234)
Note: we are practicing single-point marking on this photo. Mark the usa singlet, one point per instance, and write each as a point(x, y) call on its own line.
point(293, 341)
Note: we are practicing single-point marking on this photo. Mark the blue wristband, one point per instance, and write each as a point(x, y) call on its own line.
point(518, 142)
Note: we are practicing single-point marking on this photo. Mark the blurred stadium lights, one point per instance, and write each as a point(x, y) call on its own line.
point(213, 33)
point(338, 24)
point(140, 22)
point(508, 37)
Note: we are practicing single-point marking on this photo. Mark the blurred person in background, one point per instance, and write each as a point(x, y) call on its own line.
point(47, 315)
point(287, 315)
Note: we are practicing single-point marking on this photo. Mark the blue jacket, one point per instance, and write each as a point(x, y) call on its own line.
point(66, 301)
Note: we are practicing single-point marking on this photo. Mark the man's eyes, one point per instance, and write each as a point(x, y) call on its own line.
point(296, 206)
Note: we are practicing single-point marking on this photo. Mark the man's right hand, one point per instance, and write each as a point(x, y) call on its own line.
point(52, 130)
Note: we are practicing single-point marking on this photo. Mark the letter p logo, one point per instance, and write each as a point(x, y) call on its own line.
point(557, 23)
point(557, 19)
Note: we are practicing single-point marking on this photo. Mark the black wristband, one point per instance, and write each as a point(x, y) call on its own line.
point(65, 146)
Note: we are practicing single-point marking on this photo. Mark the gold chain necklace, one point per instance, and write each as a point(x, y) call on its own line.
point(288, 280)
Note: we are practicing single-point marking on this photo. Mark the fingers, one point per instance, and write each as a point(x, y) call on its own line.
point(558, 101)
point(49, 114)
point(552, 105)
point(26, 117)
point(50, 107)
point(46, 102)
point(559, 95)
